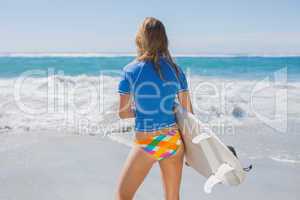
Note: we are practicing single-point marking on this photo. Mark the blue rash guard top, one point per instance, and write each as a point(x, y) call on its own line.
point(153, 96)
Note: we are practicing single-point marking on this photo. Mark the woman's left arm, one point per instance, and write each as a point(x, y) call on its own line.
point(125, 108)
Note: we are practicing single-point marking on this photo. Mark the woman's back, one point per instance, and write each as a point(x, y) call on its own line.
point(153, 95)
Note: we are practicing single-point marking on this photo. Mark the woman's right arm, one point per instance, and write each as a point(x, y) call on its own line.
point(183, 92)
point(185, 100)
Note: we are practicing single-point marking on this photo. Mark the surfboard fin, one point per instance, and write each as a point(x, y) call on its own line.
point(248, 169)
point(216, 178)
point(210, 183)
point(199, 138)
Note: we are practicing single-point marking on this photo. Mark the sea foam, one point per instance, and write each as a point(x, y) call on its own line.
point(87, 105)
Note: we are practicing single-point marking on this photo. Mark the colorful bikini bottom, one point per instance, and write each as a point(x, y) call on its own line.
point(162, 145)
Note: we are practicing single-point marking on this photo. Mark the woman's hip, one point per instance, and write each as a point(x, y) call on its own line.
point(160, 144)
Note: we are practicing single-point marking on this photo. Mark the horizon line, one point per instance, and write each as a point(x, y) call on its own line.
point(133, 54)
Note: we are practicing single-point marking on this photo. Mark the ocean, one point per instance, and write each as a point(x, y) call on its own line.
point(59, 123)
point(247, 68)
point(253, 99)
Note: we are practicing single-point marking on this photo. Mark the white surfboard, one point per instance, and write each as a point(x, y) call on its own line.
point(205, 153)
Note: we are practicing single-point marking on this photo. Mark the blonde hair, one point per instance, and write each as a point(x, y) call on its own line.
point(152, 43)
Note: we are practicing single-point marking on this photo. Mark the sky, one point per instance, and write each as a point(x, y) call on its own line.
point(193, 27)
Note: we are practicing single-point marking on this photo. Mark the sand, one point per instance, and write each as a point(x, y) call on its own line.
point(47, 166)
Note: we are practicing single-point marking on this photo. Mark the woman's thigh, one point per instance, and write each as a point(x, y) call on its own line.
point(171, 171)
point(134, 171)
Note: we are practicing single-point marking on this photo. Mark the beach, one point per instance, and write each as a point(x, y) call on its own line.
point(61, 138)
point(51, 166)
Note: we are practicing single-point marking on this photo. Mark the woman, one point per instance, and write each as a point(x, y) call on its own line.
point(152, 82)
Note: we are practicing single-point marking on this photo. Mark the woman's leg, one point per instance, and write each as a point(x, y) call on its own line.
point(171, 170)
point(135, 170)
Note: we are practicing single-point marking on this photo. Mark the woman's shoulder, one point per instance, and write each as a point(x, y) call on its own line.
point(134, 65)
point(169, 65)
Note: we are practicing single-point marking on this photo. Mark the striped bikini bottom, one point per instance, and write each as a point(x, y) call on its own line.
point(162, 145)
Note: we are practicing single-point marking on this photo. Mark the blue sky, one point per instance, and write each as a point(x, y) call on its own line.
point(195, 26)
